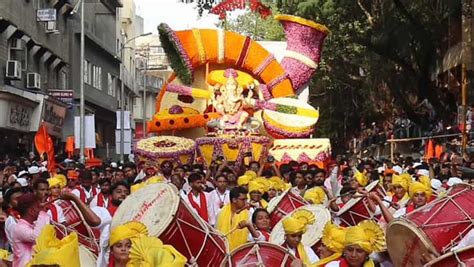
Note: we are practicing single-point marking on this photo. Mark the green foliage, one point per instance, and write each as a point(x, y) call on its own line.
point(258, 28)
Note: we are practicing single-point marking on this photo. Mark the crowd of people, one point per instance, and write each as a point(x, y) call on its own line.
point(232, 200)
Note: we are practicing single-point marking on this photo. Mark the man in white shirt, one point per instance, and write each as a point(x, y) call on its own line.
point(219, 197)
point(198, 199)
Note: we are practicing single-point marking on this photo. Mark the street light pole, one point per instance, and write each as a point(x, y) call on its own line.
point(144, 98)
point(82, 133)
point(122, 94)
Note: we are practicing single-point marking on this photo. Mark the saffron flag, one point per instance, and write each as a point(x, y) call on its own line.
point(44, 144)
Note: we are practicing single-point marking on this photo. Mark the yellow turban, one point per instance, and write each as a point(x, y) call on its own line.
point(49, 250)
point(361, 178)
point(243, 180)
point(417, 187)
point(251, 174)
point(315, 195)
point(276, 183)
point(4, 254)
point(401, 180)
point(149, 251)
point(368, 235)
point(260, 184)
point(151, 180)
point(127, 230)
point(297, 222)
point(334, 237)
point(57, 180)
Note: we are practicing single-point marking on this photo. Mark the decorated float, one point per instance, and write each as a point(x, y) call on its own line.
point(232, 96)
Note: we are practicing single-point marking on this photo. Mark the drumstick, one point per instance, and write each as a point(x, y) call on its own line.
point(232, 230)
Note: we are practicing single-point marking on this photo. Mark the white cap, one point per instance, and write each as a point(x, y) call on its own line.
point(436, 184)
point(397, 169)
point(20, 174)
point(454, 181)
point(113, 165)
point(416, 164)
point(43, 169)
point(22, 181)
point(380, 169)
point(423, 172)
point(33, 170)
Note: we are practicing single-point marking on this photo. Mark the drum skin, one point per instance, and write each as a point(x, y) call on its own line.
point(86, 257)
point(282, 205)
point(167, 217)
point(356, 209)
point(270, 255)
point(433, 228)
point(465, 255)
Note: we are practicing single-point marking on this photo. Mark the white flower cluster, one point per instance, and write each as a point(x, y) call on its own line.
point(165, 144)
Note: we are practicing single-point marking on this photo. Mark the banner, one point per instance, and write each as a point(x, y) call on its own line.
point(89, 135)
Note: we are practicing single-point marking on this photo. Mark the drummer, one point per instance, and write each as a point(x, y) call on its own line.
point(295, 227)
point(119, 191)
point(360, 241)
point(400, 197)
point(56, 184)
point(259, 227)
point(419, 194)
point(231, 215)
point(85, 191)
point(120, 241)
point(332, 244)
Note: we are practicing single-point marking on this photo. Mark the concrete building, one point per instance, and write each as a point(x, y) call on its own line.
point(34, 59)
point(102, 70)
point(155, 65)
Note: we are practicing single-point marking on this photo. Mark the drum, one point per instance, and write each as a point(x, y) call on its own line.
point(167, 217)
point(88, 237)
point(434, 228)
point(282, 205)
point(456, 258)
point(314, 231)
point(86, 257)
point(259, 254)
point(357, 209)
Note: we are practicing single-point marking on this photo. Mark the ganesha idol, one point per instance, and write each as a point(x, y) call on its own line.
point(227, 86)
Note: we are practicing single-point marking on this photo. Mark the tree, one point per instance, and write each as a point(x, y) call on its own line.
point(252, 24)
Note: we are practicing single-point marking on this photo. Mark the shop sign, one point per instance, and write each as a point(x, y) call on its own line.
point(65, 96)
point(53, 117)
point(18, 116)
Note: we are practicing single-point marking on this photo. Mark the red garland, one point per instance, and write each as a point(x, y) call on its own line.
point(231, 5)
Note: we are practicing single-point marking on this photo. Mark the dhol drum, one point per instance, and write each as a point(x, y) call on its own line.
point(462, 257)
point(314, 231)
point(169, 218)
point(282, 205)
point(357, 209)
point(86, 257)
point(434, 228)
point(75, 222)
point(259, 254)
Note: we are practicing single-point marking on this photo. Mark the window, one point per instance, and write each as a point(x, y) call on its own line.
point(97, 77)
point(87, 72)
point(62, 81)
point(111, 81)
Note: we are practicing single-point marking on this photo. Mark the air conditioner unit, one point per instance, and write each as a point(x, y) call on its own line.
point(33, 80)
point(16, 44)
point(13, 70)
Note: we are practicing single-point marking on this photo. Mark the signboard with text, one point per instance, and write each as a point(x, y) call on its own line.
point(18, 116)
point(65, 96)
point(53, 117)
point(46, 14)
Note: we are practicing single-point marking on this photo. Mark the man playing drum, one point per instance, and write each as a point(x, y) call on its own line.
point(295, 227)
point(231, 215)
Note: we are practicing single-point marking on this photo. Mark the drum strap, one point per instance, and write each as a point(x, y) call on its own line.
point(202, 208)
point(266, 235)
point(54, 212)
point(410, 208)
